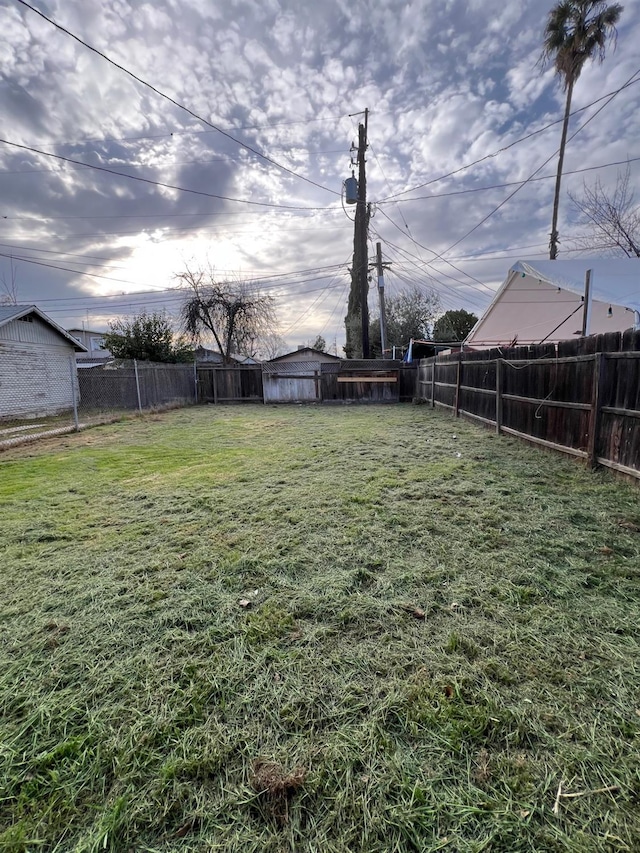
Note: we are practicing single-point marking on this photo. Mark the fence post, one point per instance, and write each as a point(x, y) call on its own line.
point(135, 368)
point(195, 380)
point(215, 384)
point(596, 406)
point(458, 382)
point(499, 365)
point(74, 390)
point(433, 382)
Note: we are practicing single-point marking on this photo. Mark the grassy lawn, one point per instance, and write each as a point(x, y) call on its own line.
point(288, 629)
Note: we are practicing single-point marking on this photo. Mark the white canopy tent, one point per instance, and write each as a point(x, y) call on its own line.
point(543, 300)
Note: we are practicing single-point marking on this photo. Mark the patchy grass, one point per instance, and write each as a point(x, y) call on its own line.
point(315, 629)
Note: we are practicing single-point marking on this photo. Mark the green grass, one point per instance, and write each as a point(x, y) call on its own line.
point(144, 708)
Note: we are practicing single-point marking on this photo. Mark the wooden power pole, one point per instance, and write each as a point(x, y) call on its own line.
point(383, 316)
point(358, 296)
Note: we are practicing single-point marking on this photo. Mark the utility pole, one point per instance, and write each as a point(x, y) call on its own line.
point(586, 312)
point(358, 296)
point(383, 316)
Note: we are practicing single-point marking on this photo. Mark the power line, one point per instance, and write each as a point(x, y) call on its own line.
point(7, 218)
point(438, 257)
point(405, 255)
point(187, 132)
point(511, 183)
point(533, 174)
point(341, 300)
point(225, 159)
point(333, 283)
point(479, 300)
point(174, 102)
point(117, 280)
point(153, 183)
point(176, 299)
point(615, 92)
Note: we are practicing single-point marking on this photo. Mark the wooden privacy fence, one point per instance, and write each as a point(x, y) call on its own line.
point(581, 397)
point(235, 384)
point(348, 381)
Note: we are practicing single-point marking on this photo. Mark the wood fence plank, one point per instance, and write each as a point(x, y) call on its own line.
point(594, 415)
point(499, 379)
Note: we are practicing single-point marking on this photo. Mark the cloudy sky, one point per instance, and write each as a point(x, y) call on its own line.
point(449, 85)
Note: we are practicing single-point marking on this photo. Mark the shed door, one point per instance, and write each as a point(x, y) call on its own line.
point(291, 383)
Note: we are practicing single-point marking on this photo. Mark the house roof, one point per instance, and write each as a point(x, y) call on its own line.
point(539, 299)
point(613, 279)
point(9, 313)
point(307, 351)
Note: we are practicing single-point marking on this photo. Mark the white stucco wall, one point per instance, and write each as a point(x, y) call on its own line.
point(35, 378)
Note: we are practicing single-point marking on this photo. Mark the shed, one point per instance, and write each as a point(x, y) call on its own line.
point(37, 364)
point(295, 376)
point(542, 301)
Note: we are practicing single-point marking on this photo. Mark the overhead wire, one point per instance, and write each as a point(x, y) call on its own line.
point(438, 257)
point(154, 183)
point(341, 299)
point(406, 255)
point(176, 103)
point(533, 174)
point(629, 82)
point(445, 299)
point(170, 163)
point(511, 183)
point(308, 309)
point(412, 238)
point(125, 300)
point(83, 272)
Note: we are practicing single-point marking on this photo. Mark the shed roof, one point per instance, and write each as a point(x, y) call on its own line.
point(305, 353)
point(9, 313)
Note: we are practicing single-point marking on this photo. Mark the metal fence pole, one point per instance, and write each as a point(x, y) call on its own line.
point(195, 379)
point(74, 390)
point(135, 368)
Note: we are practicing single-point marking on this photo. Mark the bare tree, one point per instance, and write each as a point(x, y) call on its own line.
point(236, 314)
point(410, 314)
point(271, 346)
point(612, 217)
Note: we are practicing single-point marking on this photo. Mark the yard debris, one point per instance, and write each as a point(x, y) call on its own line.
point(556, 805)
point(416, 612)
point(277, 787)
point(629, 525)
point(482, 772)
point(606, 550)
point(608, 789)
point(245, 602)
point(56, 632)
point(187, 827)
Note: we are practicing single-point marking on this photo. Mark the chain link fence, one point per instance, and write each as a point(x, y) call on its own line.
point(74, 396)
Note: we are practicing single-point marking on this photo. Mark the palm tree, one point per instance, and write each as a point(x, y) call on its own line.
point(577, 30)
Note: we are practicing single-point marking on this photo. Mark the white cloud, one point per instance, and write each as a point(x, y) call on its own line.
point(446, 84)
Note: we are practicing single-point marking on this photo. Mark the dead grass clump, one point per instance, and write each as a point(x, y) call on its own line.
point(276, 787)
